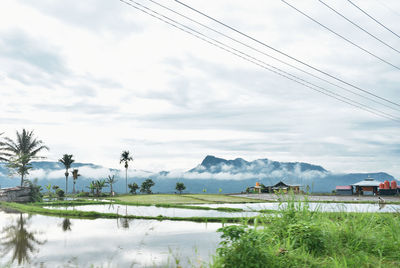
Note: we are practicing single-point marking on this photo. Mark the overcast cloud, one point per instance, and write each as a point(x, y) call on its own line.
point(94, 78)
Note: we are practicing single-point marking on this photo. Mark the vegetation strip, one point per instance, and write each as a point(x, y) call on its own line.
point(298, 237)
point(90, 202)
point(95, 215)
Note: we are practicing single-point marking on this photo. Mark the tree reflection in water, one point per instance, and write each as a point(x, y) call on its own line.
point(66, 225)
point(17, 239)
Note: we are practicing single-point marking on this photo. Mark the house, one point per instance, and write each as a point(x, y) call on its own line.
point(281, 186)
point(368, 186)
point(344, 190)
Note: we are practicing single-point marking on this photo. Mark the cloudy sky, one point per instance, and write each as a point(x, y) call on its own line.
point(93, 78)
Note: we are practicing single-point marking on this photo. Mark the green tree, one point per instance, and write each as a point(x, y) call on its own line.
point(133, 187)
point(75, 175)
point(180, 187)
point(99, 185)
point(125, 158)
point(23, 150)
point(146, 186)
point(67, 161)
point(48, 188)
point(92, 187)
point(19, 165)
point(110, 181)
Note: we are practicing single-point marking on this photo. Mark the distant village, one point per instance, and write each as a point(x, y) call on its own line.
point(368, 187)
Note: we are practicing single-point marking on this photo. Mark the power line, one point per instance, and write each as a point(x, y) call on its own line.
point(254, 61)
point(268, 55)
point(359, 8)
point(358, 26)
point(388, 8)
point(341, 36)
point(285, 54)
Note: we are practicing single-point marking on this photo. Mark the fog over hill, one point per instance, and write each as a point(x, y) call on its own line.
point(231, 176)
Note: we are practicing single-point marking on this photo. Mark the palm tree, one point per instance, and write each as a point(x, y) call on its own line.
point(125, 157)
point(75, 176)
point(110, 181)
point(99, 185)
point(67, 161)
point(23, 150)
point(3, 155)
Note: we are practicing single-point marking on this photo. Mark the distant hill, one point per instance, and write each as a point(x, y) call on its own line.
point(211, 175)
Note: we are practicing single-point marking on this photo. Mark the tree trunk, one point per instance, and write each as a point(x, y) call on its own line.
point(73, 190)
point(126, 180)
point(22, 179)
point(66, 181)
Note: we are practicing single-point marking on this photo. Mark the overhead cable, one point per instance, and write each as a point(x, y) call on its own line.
point(270, 56)
point(285, 54)
point(262, 64)
point(342, 37)
point(358, 26)
point(363, 11)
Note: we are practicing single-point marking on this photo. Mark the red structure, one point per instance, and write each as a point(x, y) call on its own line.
point(387, 184)
point(393, 185)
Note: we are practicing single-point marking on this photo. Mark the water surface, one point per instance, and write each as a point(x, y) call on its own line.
point(323, 207)
point(43, 241)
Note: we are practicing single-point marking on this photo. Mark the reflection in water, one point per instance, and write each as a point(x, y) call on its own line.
point(66, 225)
point(19, 240)
point(124, 221)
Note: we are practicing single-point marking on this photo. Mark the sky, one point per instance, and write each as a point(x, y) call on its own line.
point(94, 78)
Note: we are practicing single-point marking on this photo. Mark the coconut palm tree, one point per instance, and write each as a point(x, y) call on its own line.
point(3, 154)
point(21, 151)
point(125, 158)
point(75, 176)
point(67, 161)
point(110, 181)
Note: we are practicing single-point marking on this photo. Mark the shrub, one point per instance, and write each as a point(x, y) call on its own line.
point(83, 194)
point(60, 193)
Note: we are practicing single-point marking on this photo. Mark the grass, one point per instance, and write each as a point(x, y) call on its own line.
point(298, 237)
point(38, 209)
point(183, 199)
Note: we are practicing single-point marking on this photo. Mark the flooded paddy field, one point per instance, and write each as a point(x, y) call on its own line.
point(322, 207)
point(45, 241)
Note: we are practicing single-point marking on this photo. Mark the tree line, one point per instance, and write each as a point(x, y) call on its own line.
point(19, 153)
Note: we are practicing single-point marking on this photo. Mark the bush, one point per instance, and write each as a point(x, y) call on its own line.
point(60, 193)
point(297, 237)
point(35, 190)
point(83, 194)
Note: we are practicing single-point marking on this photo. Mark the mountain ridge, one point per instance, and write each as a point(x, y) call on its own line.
point(211, 175)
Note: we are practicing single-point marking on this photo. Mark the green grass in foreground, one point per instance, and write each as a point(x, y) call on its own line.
point(183, 199)
point(300, 238)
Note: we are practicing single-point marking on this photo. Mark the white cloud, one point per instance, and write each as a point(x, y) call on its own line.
point(94, 79)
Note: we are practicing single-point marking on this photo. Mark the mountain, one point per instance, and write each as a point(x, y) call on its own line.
point(211, 175)
point(214, 164)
